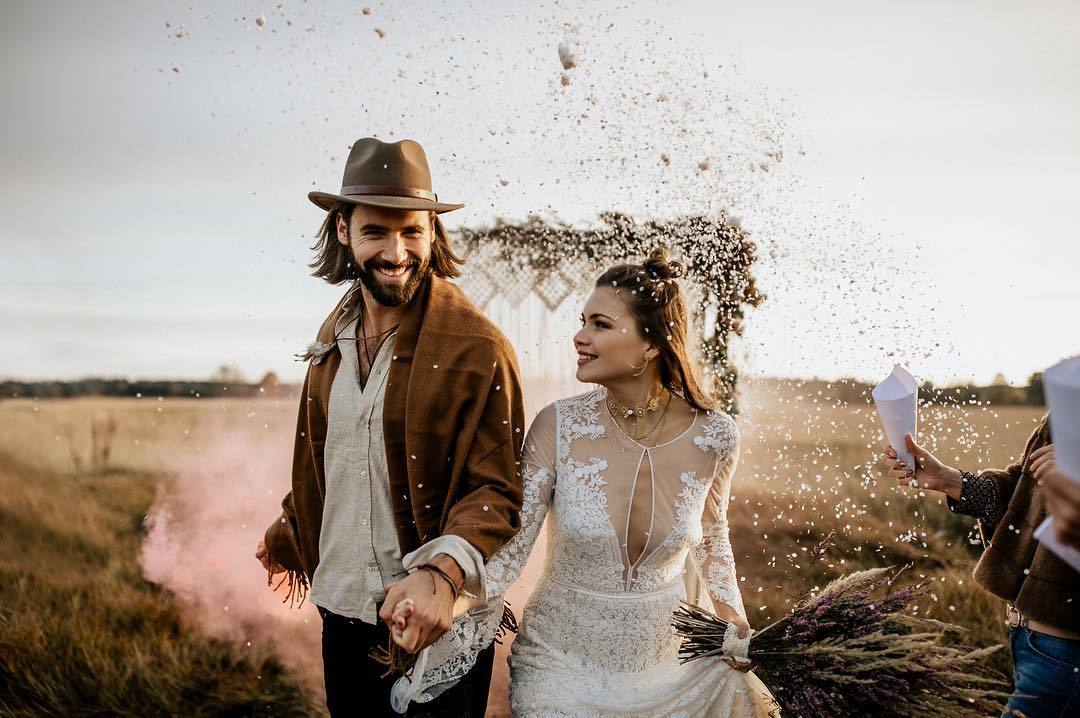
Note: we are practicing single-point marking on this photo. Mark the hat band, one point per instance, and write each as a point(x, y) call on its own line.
point(392, 190)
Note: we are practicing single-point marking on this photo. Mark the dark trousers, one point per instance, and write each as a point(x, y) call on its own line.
point(354, 688)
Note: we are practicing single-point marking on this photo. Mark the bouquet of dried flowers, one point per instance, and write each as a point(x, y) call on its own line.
point(855, 648)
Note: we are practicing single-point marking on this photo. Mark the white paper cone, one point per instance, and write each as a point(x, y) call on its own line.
point(897, 399)
point(1061, 383)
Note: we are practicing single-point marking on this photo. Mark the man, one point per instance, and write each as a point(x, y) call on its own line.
point(408, 434)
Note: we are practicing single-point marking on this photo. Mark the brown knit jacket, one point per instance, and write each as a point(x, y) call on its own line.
point(453, 420)
point(1015, 566)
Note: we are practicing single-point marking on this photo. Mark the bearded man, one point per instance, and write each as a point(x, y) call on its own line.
point(404, 476)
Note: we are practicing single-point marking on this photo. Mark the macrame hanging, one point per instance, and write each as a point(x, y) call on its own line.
point(554, 261)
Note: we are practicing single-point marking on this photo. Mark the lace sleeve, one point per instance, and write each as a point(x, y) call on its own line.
point(538, 484)
point(713, 557)
point(443, 663)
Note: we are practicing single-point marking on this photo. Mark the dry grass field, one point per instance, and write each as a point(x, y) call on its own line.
point(128, 586)
point(82, 632)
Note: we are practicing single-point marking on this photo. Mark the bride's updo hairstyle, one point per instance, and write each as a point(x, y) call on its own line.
point(651, 290)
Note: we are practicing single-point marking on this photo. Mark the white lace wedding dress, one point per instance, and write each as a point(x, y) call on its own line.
point(596, 637)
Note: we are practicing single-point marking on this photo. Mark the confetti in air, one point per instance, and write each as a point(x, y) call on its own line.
point(589, 139)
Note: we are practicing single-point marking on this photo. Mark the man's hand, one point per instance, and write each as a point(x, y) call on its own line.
point(929, 473)
point(420, 608)
point(1062, 495)
point(264, 558)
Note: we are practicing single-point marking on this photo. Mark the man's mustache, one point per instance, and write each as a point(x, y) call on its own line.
point(383, 264)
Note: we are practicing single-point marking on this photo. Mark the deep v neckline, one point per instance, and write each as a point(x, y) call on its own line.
point(628, 569)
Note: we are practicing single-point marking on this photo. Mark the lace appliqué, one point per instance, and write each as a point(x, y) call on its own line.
point(588, 546)
point(588, 647)
point(716, 560)
point(585, 541)
point(685, 533)
point(504, 567)
point(579, 417)
point(720, 434)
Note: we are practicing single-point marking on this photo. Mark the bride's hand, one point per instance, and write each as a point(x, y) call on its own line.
point(400, 619)
point(730, 615)
point(930, 472)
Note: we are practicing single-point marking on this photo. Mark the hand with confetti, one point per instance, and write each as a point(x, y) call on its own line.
point(930, 473)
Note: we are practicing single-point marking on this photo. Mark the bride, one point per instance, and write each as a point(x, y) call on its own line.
point(633, 478)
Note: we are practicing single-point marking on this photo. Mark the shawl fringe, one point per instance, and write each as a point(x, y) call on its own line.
point(296, 588)
point(395, 659)
point(508, 624)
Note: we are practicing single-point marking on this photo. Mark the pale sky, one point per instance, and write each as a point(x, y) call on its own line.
point(155, 223)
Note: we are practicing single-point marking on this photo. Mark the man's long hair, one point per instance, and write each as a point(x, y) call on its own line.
point(334, 261)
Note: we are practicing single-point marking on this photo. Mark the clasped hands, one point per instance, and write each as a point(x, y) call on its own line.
point(419, 608)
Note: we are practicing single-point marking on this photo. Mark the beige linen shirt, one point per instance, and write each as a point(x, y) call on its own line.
point(358, 547)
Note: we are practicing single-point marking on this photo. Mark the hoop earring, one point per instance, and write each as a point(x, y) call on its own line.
point(643, 367)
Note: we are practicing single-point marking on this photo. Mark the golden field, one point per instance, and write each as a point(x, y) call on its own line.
point(127, 528)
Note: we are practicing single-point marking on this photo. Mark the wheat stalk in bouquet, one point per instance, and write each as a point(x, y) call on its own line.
point(845, 652)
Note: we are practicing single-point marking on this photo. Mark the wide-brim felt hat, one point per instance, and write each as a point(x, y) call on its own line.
point(393, 175)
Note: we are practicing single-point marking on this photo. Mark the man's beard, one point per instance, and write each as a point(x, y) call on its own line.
point(393, 296)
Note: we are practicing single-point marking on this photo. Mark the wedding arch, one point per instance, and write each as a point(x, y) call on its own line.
point(554, 261)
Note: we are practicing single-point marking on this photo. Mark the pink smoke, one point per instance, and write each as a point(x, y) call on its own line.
point(212, 507)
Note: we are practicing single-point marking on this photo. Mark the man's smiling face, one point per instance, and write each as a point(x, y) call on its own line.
point(392, 250)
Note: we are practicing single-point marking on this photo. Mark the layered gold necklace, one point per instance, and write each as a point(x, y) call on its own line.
point(627, 411)
point(615, 409)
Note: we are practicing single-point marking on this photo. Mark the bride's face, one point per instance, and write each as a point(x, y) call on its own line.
point(609, 345)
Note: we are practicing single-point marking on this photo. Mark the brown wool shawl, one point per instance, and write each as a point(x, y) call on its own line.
point(454, 427)
point(1016, 566)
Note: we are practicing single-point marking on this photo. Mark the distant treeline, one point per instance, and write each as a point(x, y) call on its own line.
point(850, 391)
point(844, 390)
point(269, 386)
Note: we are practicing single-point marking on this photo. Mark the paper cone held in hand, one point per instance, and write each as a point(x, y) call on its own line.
point(897, 400)
point(1061, 383)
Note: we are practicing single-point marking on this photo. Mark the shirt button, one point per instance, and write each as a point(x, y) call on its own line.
point(364, 522)
point(363, 473)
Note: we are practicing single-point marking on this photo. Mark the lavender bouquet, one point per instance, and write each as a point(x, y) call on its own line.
point(844, 652)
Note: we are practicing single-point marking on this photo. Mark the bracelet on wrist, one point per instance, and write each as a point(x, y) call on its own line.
point(436, 570)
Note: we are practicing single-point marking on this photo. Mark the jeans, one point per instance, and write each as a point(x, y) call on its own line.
point(354, 688)
point(1046, 673)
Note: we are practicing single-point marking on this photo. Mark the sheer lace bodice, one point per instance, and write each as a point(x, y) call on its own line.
point(576, 446)
point(596, 639)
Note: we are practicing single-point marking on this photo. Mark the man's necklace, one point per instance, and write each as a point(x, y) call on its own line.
point(366, 339)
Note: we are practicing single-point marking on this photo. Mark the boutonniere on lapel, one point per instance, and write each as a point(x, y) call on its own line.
point(315, 351)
